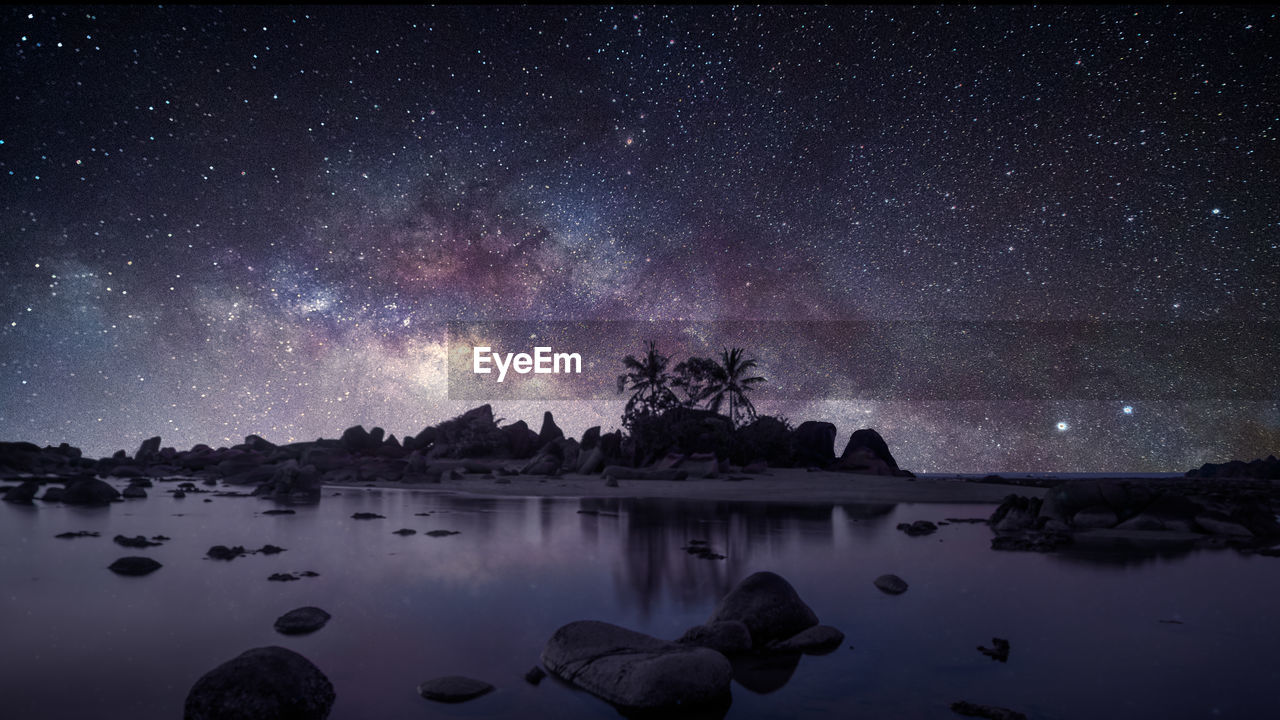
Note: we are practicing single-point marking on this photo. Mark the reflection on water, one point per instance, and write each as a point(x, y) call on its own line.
point(1090, 630)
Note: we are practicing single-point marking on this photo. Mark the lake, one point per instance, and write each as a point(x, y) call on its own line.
point(1092, 634)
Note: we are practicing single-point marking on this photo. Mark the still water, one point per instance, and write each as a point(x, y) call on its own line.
point(1086, 630)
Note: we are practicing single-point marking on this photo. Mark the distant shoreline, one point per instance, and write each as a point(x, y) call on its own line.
point(780, 485)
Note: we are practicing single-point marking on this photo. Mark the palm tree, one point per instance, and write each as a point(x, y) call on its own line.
point(650, 385)
point(729, 381)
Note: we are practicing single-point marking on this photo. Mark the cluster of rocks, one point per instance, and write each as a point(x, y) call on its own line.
point(763, 616)
point(1267, 469)
point(1243, 515)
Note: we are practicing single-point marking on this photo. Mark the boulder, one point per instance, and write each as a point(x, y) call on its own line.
point(770, 608)
point(134, 492)
point(891, 584)
point(134, 565)
point(267, 683)
point(453, 689)
point(727, 637)
point(23, 494)
point(1015, 514)
point(590, 438)
point(816, 640)
point(521, 441)
point(636, 671)
point(301, 621)
point(90, 492)
point(357, 441)
point(1095, 517)
point(591, 461)
point(550, 432)
point(53, 493)
point(149, 450)
point(918, 528)
point(813, 444)
point(867, 452)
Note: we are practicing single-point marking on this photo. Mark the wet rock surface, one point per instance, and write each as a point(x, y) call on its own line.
point(453, 689)
point(301, 621)
point(267, 683)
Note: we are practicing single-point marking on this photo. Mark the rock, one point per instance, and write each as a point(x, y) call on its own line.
point(521, 441)
point(134, 492)
point(891, 584)
point(985, 711)
point(405, 532)
point(727, 637)
point(876, 448)
point(701, 465)
point(1095, 516)
point(440, 533)
point(813, 444)
point(134, 565)
point(1216, 523)
point(367, 516)
point(1032, 540)
point(591, 461)
point(283, 577)
point(636, 671)
point(134, 542)
point(536, 673)
point(999, 649)
point(816, 640)
point(76, 534)
point(301, 621)
point(357, 441)
point(148, 450)
point(222, 552)
point(53, 494)
point(769, 607)
point(453, 689)
point(267, 683)
point(611, 481)
point(270, 550)
point(279, 512)
point(918, 528)
point(590, 438)
point(23, 494)
point(549, 432)
point(89, 492)
point(1016, 513)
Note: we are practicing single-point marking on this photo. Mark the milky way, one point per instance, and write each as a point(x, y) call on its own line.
point(222, 221)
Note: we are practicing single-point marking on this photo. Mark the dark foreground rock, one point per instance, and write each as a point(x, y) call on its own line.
point(816, 640)
point(636, 671)
point(453, 688)
point(134, 565)
point(770, 608)
point(301, 621)
point(90, 492)
point(999, 649)
point(23, 494)
point(891, 584)
point(727, 637)
point(918, 528)
point(990, 712)
point(139, 541)
point(267, 683)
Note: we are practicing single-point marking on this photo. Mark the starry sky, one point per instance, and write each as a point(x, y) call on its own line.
point(991, 233)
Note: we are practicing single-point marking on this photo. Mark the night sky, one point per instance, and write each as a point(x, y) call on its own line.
point(223, 221)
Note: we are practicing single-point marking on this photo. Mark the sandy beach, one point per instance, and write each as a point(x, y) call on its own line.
point(791, 485)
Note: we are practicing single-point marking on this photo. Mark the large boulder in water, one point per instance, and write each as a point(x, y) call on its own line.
point(813, 444)
point(266, 683)
point(521, 441)
point(770, 608)
point(636, 671)
point(90, 492)
point(22, 494)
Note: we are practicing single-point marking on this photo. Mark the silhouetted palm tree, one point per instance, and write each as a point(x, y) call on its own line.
point(729, 381)
point(650, 385)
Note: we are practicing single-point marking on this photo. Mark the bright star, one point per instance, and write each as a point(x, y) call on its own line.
point(1128, 409)
point(1062, 427)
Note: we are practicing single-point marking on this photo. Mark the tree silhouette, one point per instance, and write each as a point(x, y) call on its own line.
point(649, 383)
point(729, 381)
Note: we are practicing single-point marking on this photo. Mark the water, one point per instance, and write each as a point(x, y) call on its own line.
point(79, 641)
